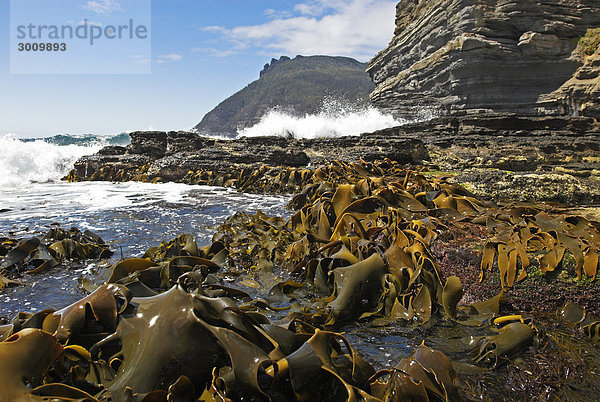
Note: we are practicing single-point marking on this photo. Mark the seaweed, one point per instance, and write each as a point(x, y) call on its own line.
point(258, 313)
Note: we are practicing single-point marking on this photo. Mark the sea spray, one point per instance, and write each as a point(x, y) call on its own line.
point(336, 118)
point(26, 161)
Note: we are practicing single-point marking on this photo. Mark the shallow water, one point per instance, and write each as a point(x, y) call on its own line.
point(130, 217)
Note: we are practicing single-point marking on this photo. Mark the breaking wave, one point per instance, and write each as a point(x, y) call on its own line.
point(335, 119)
point(44, 160)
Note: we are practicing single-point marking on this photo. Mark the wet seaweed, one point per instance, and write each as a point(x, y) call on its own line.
point(38, 255)
point(258, 314)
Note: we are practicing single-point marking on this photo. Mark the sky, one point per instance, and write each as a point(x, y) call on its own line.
point(201, 52)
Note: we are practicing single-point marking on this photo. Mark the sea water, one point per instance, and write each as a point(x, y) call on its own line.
point(131, 217)
point(335, 118)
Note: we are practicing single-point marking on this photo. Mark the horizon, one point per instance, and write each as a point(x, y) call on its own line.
point(225, 44)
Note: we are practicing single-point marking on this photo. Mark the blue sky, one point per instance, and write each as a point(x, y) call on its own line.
point(202, 52)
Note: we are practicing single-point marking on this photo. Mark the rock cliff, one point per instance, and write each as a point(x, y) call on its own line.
point(471, 56)
point(272, 64)
point(580, 96)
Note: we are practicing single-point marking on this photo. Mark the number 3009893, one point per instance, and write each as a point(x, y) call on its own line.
point(42, 47)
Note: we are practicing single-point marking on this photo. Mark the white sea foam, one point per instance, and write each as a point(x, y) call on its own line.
point(335, 119)
point(23, 163)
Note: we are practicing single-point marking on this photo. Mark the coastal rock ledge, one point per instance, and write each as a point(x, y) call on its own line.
point(451, 57)
point(499, 157)
point(172, 156)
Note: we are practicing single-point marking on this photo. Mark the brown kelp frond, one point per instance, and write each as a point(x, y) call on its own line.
point(38, 255)
point(581, 320)
point(25, 360)
point(425, 375)
point(519, 233)
point(256, 313)
point(83, 322)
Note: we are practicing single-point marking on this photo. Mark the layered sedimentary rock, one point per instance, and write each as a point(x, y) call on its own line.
point(514, 158)
point(460, 56)
point(580, 96)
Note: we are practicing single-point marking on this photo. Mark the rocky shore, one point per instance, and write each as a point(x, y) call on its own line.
point(466, 241)
point(497, 157)
point(377, 257)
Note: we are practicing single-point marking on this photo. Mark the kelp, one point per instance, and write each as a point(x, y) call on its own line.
point(509, 340)
point(75, 244)
point(25, 360)
point(38, 255)
point(20, 252)
point(521, 232)
point(253, 240)
point(182, 245)
point(581, 320)
point(256, 314)
point(185, 342)
point(426, 375)
point(86, 320)
point(157, 333)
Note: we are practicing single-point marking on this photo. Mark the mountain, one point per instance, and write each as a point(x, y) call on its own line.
point(297, 85)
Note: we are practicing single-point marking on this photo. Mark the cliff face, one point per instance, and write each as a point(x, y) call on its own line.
point(466, 56)
point(297, 85)
point(580, 96)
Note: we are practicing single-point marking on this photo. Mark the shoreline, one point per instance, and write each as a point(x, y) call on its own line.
point(452, 257)
point(371, 245)
point(545, 162)
point(496, 157)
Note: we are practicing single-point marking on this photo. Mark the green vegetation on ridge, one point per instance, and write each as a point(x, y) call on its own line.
point(590, 41)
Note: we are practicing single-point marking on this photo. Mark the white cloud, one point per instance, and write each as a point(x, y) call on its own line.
point(214, 28)
point(317, 7)
point(140, 59)
point(354, 28)
point(103, 6)
point(165, 58)
point(272, 13)
point(90, 23)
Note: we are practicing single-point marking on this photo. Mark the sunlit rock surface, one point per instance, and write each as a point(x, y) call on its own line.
point(460, 56)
